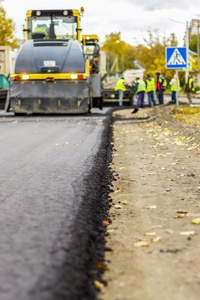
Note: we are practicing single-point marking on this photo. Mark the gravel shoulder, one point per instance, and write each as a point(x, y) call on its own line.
point(154, 244)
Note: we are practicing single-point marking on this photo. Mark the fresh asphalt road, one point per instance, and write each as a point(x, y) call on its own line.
point(43, 161)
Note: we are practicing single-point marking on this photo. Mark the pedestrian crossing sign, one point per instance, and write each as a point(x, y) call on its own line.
point(176, 57)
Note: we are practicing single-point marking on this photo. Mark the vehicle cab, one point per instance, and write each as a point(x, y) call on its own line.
point(53, 24)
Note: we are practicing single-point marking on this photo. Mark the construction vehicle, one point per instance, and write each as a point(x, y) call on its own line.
point(52, 73)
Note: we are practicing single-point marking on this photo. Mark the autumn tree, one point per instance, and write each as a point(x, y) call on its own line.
point(7, 29)
point(151, 55)
point(119, 53)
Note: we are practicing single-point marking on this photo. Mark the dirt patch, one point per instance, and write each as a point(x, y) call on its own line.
point(156, 195)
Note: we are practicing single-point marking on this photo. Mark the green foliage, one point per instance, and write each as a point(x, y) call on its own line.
point(197, 88)
point(7, 30)
point(193, 43)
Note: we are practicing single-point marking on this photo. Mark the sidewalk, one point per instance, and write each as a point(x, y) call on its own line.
point(155, 246)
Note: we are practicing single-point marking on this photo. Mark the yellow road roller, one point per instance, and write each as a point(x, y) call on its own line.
point(52, 71)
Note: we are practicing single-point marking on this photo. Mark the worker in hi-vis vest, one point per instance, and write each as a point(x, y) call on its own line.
point(173, 83)
point(140, 88)
point(42, 28)
point(150, 89)
point(121, 88)
point(189, 88)
point(160, 85)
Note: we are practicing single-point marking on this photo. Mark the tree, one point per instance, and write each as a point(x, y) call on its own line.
point(118, 51)
point(7, 29)
point(151, 55)
point(193, 43)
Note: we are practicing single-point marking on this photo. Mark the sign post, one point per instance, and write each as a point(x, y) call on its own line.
point(176, 58)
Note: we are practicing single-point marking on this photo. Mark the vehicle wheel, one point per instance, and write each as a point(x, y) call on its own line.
point(89, 108)
point(101, 103)
point(20, 114)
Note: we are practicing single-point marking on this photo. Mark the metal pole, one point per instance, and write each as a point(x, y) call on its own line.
point(177, 90)
point(187, 47)
point(198, 45)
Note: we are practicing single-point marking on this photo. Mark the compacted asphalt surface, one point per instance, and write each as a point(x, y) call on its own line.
point(53, 191)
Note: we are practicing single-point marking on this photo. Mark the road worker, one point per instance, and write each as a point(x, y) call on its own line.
point(173, 83)
point(189, 88)
point(150, 88)
point(121, 88)
point(160, 85)
point(42, 28)
point(140, 88)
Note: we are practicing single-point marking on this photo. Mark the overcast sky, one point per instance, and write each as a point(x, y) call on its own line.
point(132, 18)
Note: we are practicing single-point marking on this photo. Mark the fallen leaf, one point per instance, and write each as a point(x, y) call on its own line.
point(180, 214)
point(150, 207)
point(125, 202)
point(118, 206)
point(190, 233)
point(150, 233)
point(196, 221)
point(106, 223)
point(118, 190)
point(98, 284)
point(141, 244)
point(111, 230)
point(157, 239)
point(101, 266)
point(161, 154)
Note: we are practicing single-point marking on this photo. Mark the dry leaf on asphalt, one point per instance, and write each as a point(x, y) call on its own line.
point(196, 221)
point(98, 284)
point(111, 230)
point(141, 244)
point(106, 223)
point(150, 207)
point(125, 202)
point(118, 206)
point(157, 239)
point(101, 266)
point(189, 233)
point(180, 214)
point(150, 233)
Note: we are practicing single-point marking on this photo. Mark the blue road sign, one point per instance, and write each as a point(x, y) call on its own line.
point(176, 57)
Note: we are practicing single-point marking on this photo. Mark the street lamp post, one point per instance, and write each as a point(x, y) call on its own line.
point(198, 42)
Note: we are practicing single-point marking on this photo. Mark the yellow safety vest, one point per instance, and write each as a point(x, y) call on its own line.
point(164, 84)
point(141, 86)
point(42, 29)
point(190, 84)
point(150, 85)
point(120, 85)
point(173, 86)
